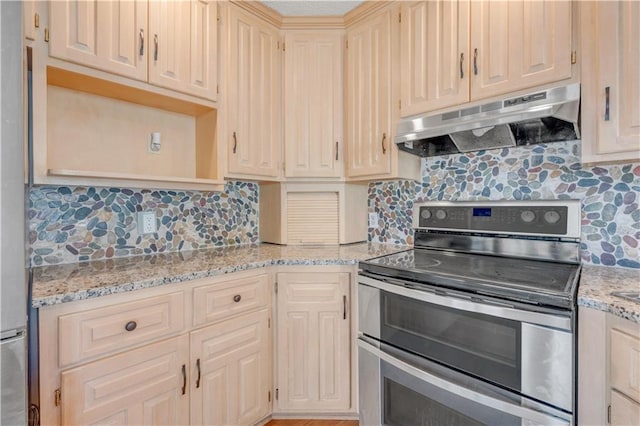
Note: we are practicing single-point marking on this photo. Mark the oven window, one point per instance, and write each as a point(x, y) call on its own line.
point(405, 407)
point(481, 345)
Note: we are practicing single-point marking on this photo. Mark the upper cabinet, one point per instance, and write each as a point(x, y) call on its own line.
point(253, 89)
point(313, 99)
point(169, 44)
point(610, 81)
point(373, 101)
point(459, 51)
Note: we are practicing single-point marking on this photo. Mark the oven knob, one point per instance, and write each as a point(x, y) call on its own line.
point(527, 216)
point(425, 214)
point(441, 214)
point(552, 216)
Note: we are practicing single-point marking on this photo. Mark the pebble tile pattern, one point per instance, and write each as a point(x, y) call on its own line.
point(610, 194)
point(76, 224)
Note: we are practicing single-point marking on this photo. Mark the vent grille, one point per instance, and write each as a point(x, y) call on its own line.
point(312, 218)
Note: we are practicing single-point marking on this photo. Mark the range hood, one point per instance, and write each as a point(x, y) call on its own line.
point(539, 117)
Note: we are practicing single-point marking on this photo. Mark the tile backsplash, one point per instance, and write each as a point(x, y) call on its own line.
point(609, 194)
point(72, 224)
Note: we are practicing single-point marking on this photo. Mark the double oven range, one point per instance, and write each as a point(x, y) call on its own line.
point(476, 325)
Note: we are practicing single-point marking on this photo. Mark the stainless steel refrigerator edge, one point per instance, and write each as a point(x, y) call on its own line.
point(12, 219)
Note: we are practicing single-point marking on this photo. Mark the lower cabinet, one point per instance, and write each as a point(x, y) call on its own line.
point(313, 342)
point(230, 384)
point(144, 386)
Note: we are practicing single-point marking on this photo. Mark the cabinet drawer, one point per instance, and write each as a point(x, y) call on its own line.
point(625, 364)
point(220, 300)
point(103, 330)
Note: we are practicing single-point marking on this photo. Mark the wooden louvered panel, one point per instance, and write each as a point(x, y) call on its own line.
point(312, 218)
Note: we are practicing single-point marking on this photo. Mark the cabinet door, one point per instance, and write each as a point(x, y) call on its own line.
point(518, 44)
point(203, 76)
point(313, 101)
point(110, 36)
point(139, 387)
point(611, 81)
point(435, 55)
point(624, 411)
point(230, 384)
point(370, 95)
point(254, 97)
point(313, 342)
point(169, 29)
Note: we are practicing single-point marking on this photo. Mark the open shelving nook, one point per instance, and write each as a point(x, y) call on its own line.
point(99, 130)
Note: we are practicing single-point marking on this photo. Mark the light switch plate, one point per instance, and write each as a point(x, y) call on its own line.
point(373, 220)
point(147, 223)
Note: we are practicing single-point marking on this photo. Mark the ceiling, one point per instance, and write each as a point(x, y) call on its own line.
point(311, 8)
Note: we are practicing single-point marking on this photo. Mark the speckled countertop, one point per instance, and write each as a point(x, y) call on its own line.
point(77, 281)
point(597, 283)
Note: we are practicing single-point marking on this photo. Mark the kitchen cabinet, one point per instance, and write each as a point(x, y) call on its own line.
point(611, 345)
point(610, 81)
point(231, 384)
point(372, 99)
point(314, 345)
point(253, 97)
point(434, 61)
point(169, 44)
point(145, 386)
point(313, 99)
point(458, 52)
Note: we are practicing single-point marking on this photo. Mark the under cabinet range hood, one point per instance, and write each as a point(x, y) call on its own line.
point(539, 117)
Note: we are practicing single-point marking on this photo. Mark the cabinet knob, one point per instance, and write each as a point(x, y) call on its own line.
point(237, 298)
point(131, 325)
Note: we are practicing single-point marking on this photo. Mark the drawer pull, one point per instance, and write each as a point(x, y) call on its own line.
point(131, 325)
point(184, 379)
point(237, 298)
point(198, 378)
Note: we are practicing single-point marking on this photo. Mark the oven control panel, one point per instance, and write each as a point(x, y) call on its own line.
point(534, 218)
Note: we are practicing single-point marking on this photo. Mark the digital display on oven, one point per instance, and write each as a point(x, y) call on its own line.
point(481, 212)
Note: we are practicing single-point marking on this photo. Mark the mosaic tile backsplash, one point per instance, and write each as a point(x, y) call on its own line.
point(610, 194)
point(72, 224)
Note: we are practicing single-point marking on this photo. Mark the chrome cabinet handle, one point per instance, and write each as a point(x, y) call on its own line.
point(336, 150)
point(607, 93)
point(198, 378)
point(344, 307)
point(235, 142)
point(130, 326)
point(141, 42)
point(475, 61)
point(461, 62)
point(384, 137)
point(155, 44)
point(184, 379)
point(237, 298)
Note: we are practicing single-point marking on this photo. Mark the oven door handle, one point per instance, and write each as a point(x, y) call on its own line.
point(531, 414)
point(450, 301)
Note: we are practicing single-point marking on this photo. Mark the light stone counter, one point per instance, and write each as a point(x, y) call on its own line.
point(70, 282)
point(597, 283)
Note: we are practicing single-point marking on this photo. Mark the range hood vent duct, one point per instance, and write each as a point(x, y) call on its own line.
point(541, 117)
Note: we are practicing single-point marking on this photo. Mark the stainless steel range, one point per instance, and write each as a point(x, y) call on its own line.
point(476, 324)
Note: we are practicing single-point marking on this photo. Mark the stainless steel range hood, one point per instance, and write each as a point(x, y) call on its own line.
point(539, 117)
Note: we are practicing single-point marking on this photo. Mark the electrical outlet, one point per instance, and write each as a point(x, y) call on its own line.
point(147, 223)
point(373, 220)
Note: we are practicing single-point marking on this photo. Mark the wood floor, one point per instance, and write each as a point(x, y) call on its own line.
point(303, 422)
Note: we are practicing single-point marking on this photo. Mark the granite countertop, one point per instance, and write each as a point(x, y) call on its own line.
point(597, 283)
point(66, 283)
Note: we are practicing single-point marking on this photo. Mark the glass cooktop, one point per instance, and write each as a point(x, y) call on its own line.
point(529, 281)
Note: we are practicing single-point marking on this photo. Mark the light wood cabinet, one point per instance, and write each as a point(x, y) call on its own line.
point(373, 100)
point(254, 97)
point(314, 345)
point(230, 383)
point(313, 99)
point(167, 43)
point(434, 63)
point(610, 81)
point(145, 386)
point(454, 52)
